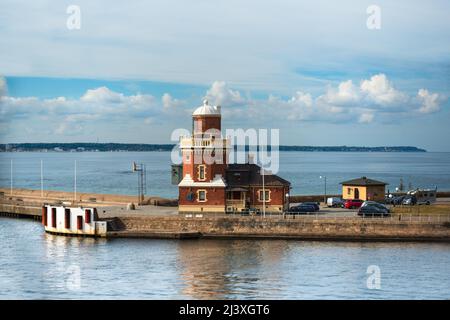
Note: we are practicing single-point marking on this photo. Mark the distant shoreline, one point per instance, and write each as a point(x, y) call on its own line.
point(127, 147)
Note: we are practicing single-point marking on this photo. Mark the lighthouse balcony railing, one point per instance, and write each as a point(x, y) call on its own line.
point(190, 142)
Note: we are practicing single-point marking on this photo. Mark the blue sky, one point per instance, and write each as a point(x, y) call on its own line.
point(134, 73)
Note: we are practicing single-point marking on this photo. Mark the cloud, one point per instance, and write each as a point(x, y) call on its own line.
point(380, 90)
point(102, 95)
point(429, 101)
point(3, 88)
point(170, 103)
point(375, 98)
point(366, 117)
point(346, 93)
point(71, 116)
point(220, 94)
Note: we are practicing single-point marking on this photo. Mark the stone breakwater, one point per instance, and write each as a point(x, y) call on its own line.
point(311, 228)
point(404, 228)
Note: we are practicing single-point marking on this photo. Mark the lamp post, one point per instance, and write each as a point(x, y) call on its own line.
point(325, 193)
point(75, 182)
point(287, 200)
point(264, 193)
point(42, 180)
point(11, 176)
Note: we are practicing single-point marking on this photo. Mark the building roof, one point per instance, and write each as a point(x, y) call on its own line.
point(240, 175)
point(207, 110)
point(363, 181)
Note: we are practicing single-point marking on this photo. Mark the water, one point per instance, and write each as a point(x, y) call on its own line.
point(110, 172)
point(35, 265)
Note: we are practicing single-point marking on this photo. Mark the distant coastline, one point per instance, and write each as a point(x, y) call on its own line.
point(124, 147)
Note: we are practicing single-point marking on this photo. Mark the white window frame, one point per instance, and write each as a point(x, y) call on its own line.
point(198, 195)
point(260, 199)
point(204, 172)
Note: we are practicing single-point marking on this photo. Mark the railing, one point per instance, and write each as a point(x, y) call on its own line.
point(205, 142)
point(396, 219)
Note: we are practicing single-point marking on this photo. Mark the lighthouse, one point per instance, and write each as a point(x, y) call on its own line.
point(205, 160)
point(210, 184)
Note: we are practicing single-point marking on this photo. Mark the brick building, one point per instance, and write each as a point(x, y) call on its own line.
point(210, 184)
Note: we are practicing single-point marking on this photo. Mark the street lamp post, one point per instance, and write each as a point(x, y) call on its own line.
point(325, 193)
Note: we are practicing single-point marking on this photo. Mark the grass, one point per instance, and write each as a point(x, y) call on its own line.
point(434, 209)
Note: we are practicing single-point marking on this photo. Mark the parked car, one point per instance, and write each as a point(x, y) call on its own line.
point(395, 200)
point(335, 202)
point(353, 203)
point(374, 203)
point(409, 200)
point(314, 204)
point(373, 211)
point(301, 208)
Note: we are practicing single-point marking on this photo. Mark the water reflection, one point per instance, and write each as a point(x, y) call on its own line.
point(35, 265)
point(217, 269)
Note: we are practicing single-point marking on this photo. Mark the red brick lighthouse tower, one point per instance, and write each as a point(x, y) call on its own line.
point(205, 160)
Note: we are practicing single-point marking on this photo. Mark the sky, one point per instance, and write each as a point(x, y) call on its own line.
point(316, 70)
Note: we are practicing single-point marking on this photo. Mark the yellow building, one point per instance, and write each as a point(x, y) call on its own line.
point(363, 188)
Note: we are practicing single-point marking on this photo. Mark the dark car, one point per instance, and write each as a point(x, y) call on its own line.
point(353, 203)
point(373, 211)
point(301, 208)
point(314, 204)
point(409, 200)
point(396, 200)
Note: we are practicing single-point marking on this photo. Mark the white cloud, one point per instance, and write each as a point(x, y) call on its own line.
point(375, 100)
point(429, 101)
point(220, 94)
point(380, 90)
point(346, 93)
point(366, 117)
point(169, 102)
point(103, 95)
point(3, 88)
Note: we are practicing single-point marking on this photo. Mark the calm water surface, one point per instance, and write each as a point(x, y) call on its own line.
point(110, 172)
point(34, 265)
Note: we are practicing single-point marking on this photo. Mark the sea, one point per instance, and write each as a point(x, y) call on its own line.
point(36, 265)
point(111, 172)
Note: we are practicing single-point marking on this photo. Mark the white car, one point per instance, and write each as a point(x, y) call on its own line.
point(335, 202)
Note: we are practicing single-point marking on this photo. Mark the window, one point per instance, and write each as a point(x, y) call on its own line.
point(201, 172)
point(87, 216)
point(236, 195)
point(44, 216)
point(201, 195)
point(54, 217)
point(349, 191)
point(187, 157)
point(79, 222)
point(262, 197)
point(67, 218)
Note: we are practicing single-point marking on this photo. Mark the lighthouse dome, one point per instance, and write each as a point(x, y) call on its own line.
point(207, 110)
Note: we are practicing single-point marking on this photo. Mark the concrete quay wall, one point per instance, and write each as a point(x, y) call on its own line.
point(299, 228)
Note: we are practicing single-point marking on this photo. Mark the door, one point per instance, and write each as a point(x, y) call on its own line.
point(356, 193)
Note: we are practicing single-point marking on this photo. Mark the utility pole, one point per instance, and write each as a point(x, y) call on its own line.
point(42, 180)
point(264, 193)
point(11, 176)
point(75, 182)
point(325, 193)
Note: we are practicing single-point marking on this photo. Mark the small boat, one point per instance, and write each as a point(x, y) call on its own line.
point(72, 220)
